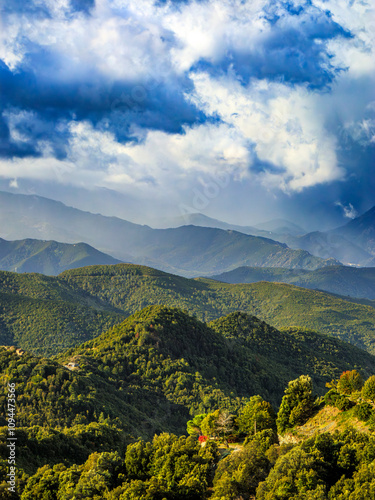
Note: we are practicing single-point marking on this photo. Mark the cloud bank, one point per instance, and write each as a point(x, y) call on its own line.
point(153, 98)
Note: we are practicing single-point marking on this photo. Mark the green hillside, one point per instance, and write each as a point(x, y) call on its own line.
point(46, 327)
point(48, 257)
point(161, 365)
point(35, 310)
point(83, 422)
point(340, 280)
point(130, 288)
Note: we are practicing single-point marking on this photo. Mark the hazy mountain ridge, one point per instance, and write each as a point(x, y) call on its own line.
point(189, 251)
point(330, 245)
point(361, 231)
point(352, 244)
point(340, 280)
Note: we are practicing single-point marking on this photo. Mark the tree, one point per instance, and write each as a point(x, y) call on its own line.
point(239, 474)
point(224, 423)
point(297, 404)
point(293, 477)
point(193, 426)
point(209, 424)
point(256, 416)
point(368, 391)
point(349, 382)
point(137, 459)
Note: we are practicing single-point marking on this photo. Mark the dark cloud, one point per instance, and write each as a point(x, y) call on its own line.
point(40, 10)
point(82, 5)
point(293, 52)
point(114, 105)
point(46, 86)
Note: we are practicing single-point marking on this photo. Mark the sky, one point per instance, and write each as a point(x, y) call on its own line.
point(242, 110)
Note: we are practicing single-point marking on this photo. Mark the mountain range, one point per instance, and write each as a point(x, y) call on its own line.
point(339, 280)
point(47, 315)
point(351, 244)
point(270, 229)
point(186, 250)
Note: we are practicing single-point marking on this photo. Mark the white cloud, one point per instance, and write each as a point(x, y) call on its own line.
point(349, 211)
point(158, 165)
point(358, 52)
point(284, 125)
point(129, 41)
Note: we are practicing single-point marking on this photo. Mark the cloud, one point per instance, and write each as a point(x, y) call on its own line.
point(148, 95)
point(283, 124)
point(349, 211)
point(158, 165)
point(259, 40)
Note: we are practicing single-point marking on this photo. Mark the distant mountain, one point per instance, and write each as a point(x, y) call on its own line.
point(351, 244)
point(281, 226)
point(330, 245)
point(201, 220)
point(326, 245)
point(340, 280)
point(47, 315)
point(48, 257)
point(188, 250)
point(361, 231)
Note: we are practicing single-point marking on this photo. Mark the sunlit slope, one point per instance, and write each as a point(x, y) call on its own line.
point(129, 288)
point(31, 306)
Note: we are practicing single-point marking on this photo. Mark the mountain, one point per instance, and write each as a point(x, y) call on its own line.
point(198, 219)
point(361, 231)
point(326, 245)
point(281, 226)
point(330, 245)
point(189, 250)
point(352, 244)
point(47, 315)
point(160, 365)
point(48, 257)
point(340, 280)
point(271, 229)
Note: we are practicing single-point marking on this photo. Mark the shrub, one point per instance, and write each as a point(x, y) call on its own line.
point(331, 397)
point(363, 411)
point(350, 381)
point(368, 391)
point(343, 403)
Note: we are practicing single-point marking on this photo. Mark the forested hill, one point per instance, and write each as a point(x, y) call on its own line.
point(48, 257)
point(50, 314)
point(161, 365)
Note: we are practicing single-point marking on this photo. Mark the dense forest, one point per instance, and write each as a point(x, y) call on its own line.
point(249, 453)
point(163, 406)
point(47, 315)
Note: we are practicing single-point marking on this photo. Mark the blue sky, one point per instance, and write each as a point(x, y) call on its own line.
point(242, 110)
